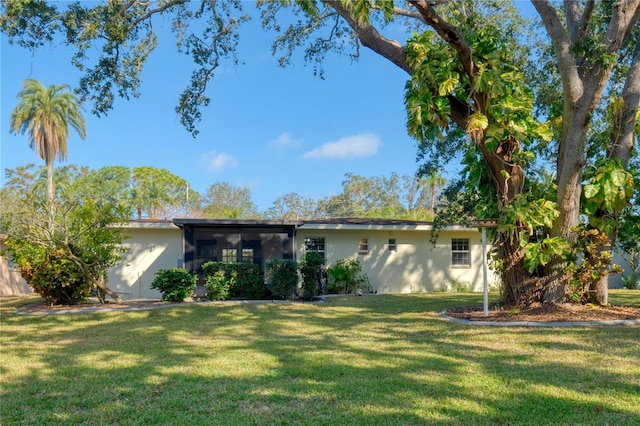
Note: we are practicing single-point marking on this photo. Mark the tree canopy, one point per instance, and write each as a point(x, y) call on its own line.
point(45, 114)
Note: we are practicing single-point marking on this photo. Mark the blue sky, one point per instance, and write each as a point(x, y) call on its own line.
point(272, 130)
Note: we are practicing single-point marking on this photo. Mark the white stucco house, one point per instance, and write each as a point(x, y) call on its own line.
point(396, 255)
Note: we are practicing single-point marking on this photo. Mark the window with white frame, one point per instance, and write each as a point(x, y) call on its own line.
point(363, 245)
point(392, 244)
point(460, 252)
point(314, 244)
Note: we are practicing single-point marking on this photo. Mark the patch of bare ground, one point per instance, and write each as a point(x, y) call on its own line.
point(565, 312)
point(45, 308)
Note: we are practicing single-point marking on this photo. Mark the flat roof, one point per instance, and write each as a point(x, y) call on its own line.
point(234, 222)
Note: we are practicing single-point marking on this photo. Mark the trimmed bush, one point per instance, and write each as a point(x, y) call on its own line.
point(282, 277)
point(175, 284)
point(311, 271)
point(226, 280)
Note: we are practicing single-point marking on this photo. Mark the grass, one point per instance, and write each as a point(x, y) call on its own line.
point(375, 360)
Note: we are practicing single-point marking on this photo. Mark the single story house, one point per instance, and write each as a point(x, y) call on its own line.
point(396, 255)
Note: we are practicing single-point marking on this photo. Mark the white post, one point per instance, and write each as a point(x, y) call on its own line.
point(485, 288)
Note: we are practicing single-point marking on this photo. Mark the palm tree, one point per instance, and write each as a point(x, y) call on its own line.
point(45, 114)
point(434, 182)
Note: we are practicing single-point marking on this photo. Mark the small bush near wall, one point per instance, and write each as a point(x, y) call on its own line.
point(226, 280)
point(175, 284)
point(311, 270)
point(346, 276)
point(57, 279)
point(282, 277)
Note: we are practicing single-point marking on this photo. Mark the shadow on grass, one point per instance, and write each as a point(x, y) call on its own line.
point(370, 360)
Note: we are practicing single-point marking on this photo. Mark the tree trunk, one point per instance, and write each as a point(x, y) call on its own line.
point(98, 282)
point(622, 142)
point(50, 194)
point(583, 83)
point(102, 287)
point(519, 287)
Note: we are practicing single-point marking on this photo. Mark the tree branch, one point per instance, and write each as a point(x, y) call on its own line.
point(371, 38)
point(622, 141)
point(624, 18)
point(576, 21)
point(572, 82)
point(449, 33)
point(152, 12)
point(403, 12)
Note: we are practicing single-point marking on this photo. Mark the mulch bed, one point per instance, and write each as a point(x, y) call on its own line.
point(566, 312)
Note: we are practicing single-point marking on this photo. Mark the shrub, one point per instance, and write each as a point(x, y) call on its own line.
point(226, 280)
point(218, 286)
point(56, 278)
point(282, 277)
point(347, 276)
point(175, 284)
point(311, 271)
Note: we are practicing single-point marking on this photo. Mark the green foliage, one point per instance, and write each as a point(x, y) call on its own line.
point(346, 276)
point(393, 197)
point(608, 190)
point(440, 79)
point(227, 280)
point(311, 270)
point(45, 114)
point(225, 201)
point(282, 277)
point(157, 193)
point(82, 233)
point(540, 253)
point(592, 257)
point(523, 216)
point(631, 281)
point(218, 286)
point(175, 284)
point(628, 241)
point(460, 286)
point(51, 274)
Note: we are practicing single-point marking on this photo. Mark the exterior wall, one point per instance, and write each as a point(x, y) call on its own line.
point(615, 280)
point(152, 246)
point(11, 282)
point(416, 265)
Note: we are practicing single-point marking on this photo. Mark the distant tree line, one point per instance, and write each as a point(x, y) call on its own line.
point(156, 193)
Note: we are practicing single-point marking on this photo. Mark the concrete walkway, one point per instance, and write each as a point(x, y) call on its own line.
point(540, 324)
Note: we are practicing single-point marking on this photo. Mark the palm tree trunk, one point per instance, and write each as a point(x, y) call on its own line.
point(50, 193)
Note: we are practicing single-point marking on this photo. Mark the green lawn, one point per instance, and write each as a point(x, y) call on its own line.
point(374, 360)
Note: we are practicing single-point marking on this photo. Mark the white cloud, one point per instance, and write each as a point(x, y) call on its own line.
point(365, 145)
point(217, 161)
point(285, 140)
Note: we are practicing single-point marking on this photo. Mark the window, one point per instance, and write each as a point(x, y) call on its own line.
point(392, 244)
point(252, 252)
point(314, 244)
point(230, 255)
point(206, 249)
point(460, 253)
point(363, 245)
point(247, 255)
